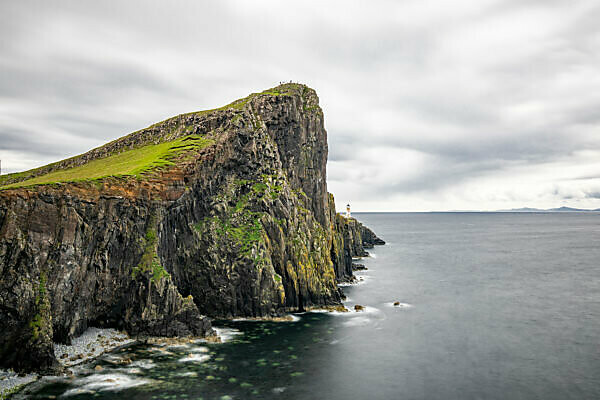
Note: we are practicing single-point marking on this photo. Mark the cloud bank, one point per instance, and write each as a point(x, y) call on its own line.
point(428, 106)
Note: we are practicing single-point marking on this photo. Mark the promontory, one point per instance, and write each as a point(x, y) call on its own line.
point(212, 214)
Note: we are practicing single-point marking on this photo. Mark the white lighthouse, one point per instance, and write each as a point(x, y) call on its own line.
point(347, 210)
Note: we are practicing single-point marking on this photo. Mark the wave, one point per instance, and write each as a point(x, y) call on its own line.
point(144, 364)
point(176, 347)
point(285, 318)
point(105, 382)
point(358, 321)
point(227, 334)
point(199, 349)
point(195, 357)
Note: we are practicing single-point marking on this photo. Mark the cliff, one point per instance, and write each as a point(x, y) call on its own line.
point(217, 213)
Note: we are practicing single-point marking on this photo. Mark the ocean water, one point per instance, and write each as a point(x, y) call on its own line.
point(492, 306)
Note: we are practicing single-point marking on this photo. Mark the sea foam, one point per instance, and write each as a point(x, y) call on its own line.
point(227, 334)
point(104, 382)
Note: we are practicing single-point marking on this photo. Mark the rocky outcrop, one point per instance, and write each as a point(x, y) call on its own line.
point(369, 239)
point(69, 262)
point(243, 227)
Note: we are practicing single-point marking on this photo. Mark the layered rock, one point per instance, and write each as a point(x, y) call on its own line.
point(242, 227)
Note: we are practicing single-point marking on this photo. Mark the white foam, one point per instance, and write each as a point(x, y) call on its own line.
point(161, 351)
point(369, 310)
point(319, 311)
point(292, 317)
point(189, 373)
point(144, 364)
point(194, 357)
point(400, 305)
point(329, 312)
point(199, 349)
point(227, 334)
point(115, 359)
point(278, 390)
point(361, 278)
point(105, 382)
point(177, 347)
point(359, 318)
point(358, 321)
point(131, 370)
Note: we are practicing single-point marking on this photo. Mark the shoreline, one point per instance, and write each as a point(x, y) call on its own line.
point(95, 342)
point(90, 345)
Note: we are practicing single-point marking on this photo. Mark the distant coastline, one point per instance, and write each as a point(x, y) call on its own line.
point(512, 210)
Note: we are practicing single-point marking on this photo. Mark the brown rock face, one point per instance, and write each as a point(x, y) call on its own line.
point(244, 227)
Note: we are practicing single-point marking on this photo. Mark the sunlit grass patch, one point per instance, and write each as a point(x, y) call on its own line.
point(135, 162)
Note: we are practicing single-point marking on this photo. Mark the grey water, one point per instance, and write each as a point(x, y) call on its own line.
point(493, 306)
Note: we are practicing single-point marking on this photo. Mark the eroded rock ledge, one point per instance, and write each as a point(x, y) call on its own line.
point(244, 227)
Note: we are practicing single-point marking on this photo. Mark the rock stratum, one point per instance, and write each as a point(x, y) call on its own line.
point(213, 214)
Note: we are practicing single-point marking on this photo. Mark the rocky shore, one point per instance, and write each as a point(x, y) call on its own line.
point(91, 344)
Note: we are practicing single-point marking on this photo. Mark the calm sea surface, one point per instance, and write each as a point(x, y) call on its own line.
point(493, 306)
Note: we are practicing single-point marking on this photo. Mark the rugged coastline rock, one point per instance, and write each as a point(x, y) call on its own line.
point(241, 225)
point(369, 239)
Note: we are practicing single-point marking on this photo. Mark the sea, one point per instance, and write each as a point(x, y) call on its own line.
point(488, 306)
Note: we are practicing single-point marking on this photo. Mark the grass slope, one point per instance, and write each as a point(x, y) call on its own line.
point(138, 161)
point(134, 162)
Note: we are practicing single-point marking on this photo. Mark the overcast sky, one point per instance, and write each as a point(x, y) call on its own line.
point(429, 105)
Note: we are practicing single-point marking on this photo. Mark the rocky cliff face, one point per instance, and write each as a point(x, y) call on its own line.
point(242, 227)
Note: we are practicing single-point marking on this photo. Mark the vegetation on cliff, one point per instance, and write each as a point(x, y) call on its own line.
point(136, 162)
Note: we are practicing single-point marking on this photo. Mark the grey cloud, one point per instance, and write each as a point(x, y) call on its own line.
point(410, 76)
point(593, 195)
point(20, 140)
point(77, 80)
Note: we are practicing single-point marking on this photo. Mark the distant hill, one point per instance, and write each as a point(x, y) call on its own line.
point(559, 209)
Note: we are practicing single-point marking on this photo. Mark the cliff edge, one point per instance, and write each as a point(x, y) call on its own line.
point(217, 213)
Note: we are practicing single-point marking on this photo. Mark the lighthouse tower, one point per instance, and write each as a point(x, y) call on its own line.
point(347, 210)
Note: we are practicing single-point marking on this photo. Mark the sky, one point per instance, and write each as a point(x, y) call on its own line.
point(429, 105)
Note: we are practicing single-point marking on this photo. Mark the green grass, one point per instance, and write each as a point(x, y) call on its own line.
point(134, 162)
point(150, 262)
point(283, 90)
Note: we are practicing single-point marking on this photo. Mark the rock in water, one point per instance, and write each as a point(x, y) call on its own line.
point(369, 239)
point(359, 267)
point(216, 213)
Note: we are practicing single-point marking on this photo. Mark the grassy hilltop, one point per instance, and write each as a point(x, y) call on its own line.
point(140, 158)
